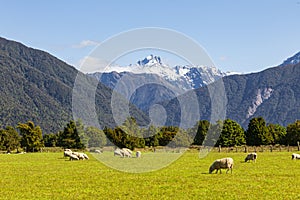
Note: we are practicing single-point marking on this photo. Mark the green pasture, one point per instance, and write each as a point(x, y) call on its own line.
point(50, 176)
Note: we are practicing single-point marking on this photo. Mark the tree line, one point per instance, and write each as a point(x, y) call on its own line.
point(29, 137)
point(227, 133)
point(76, 135)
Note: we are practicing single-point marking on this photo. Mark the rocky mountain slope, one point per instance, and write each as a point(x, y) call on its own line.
point(273, 94)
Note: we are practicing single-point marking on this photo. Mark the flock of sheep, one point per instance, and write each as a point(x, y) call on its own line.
point(125, 152)
point(75, 155)
point(223, 163)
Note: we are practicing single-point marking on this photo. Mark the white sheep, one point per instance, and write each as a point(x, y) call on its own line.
point(126, 152)
point(138, 154)
point(224, 163)
point(67, 152)
point(118, 152)
point(75, 153)
point(295, 156)
point(85, 156)
point(126, 149)
point(73, 157)
point(97, 151)
point(81, 156)
point(251, 156)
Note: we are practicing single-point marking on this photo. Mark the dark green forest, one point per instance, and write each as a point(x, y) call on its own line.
point(228, 133)
point(37, 86)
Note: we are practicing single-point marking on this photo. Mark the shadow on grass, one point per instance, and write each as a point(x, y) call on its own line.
point(66, 159)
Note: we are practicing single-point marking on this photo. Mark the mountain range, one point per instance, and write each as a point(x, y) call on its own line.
point(156, 79)
point(184, 77)
point(273, 94)
point(37, 86)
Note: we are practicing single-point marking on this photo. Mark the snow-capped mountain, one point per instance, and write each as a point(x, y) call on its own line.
point(199, 76)
point(150, 60)
point(188, 77)
point(149, 65)
point(151, 81)
point(295, 59)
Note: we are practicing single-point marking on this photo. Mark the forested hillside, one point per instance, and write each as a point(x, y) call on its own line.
point(36, 86)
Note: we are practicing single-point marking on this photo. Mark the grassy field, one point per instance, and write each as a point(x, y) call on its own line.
point(49, 176)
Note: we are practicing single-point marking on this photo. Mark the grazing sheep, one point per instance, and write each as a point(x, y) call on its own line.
point(126, 152)
point(224, 163)
point(295, 156)
point(80, 156)
point(73, 157)
point(67, 152)
point(97, 151)
point(126, 149)
point(75, 153)
point(85, 156)
point(251, 156)
point(138, 154)
point(118, 152)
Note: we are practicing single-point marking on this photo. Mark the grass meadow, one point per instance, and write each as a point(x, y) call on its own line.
point(50, 176)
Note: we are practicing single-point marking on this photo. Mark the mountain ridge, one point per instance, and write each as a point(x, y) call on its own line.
point(193, 76)
point(273, 94)
point(37, 86)
point(165, 79)
point(293, 60)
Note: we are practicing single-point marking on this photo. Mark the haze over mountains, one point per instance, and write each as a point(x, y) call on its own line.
point(37, 86)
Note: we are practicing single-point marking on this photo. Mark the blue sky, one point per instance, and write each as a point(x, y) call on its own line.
point(243, 36)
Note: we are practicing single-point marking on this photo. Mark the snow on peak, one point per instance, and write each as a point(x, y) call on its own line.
point(295, 59)
point(196, 76)
point(150, 60)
